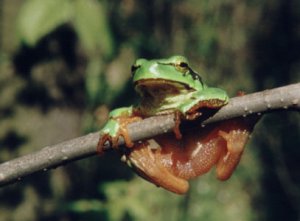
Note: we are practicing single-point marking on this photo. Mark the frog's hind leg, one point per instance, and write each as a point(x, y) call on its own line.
point(148, 164)
point(235, 140)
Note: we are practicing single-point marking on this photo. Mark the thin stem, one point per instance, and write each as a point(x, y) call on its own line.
point(283, 98)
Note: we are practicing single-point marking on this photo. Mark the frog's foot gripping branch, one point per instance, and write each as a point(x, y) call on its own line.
point(113, 140)
point(177, 118)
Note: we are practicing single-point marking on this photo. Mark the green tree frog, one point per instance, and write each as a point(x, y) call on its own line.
point(170, 160)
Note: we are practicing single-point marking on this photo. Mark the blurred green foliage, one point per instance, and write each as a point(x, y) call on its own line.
point(39, 18)
point(64, 64)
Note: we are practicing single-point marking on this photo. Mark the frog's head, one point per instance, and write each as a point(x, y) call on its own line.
point(169, 76)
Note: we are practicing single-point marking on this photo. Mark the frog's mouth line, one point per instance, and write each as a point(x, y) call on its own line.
point(161, 86)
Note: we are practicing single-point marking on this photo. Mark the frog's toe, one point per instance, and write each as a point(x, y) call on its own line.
point(102, 143)
point(176, 129)
point(105, 141)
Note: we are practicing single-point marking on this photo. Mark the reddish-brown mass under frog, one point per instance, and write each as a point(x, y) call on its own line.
point(169, 161)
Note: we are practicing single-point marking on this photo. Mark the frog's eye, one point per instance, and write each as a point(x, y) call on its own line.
point(134, 68)
point(182, 67)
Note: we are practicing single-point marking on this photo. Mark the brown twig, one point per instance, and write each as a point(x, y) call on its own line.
point(283, 98)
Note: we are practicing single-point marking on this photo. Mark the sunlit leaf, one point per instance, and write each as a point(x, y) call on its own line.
point(94, 85)
point(90, 22)
point(37, 18)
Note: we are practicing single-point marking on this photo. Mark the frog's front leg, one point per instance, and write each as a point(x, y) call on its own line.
point(116, 126)
point(210, 98)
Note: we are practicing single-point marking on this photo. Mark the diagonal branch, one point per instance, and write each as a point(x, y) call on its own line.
point(282, 98)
